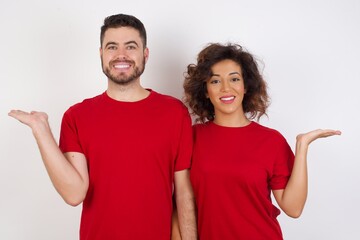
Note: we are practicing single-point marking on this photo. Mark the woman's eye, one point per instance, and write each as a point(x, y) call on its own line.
point(215, 81)
point(235, 79)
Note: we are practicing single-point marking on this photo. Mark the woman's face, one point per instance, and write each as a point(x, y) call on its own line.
point(225, 89)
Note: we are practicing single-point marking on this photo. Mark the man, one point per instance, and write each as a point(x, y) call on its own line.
point(120, 152)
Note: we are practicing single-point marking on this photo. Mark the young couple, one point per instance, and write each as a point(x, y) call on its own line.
point(126, 152)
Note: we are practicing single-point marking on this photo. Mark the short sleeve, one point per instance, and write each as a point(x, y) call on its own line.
point(283, 165)
point(183, 159)
point(69, 140)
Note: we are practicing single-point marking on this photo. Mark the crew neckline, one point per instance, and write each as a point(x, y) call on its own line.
point(251, 124)
point(141, 101)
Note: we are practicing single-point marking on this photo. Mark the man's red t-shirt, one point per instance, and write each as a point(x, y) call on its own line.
point(132, 151)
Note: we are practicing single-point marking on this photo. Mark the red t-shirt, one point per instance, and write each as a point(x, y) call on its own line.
point(232, 173)
point(132, 150)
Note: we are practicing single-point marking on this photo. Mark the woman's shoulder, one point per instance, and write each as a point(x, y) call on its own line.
point(268, 132)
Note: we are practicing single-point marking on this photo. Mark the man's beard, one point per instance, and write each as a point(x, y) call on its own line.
point(122, 79)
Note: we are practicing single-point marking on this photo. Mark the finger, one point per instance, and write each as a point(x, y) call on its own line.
point(335, 132)
point(318, 133)
point(331, 131)
point(19, 115)
point(15, 113)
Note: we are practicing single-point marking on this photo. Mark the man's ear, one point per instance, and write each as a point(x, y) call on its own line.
point(146, 54)
point(100, 51)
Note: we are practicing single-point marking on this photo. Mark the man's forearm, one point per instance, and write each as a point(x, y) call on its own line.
point(187, 218)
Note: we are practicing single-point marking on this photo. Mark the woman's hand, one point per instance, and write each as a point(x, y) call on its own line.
point(309, 137)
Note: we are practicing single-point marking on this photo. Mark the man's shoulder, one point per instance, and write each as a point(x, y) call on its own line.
point(167, 99)
point(85, 105)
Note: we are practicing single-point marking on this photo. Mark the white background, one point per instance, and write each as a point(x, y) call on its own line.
point(49, 60)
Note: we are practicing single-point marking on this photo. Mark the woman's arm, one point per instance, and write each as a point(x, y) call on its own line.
point(292, 199)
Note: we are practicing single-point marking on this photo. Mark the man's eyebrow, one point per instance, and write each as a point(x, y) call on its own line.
point(111, 43)
point(130, 42)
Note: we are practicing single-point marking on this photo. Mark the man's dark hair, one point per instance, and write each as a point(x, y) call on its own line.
point(123, 20)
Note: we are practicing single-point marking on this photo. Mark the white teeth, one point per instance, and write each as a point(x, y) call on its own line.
point(122, 66)
point(227, 98)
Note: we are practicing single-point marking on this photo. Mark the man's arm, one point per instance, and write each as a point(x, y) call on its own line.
point(175, 230)
point(185, 203)
point(68, 172)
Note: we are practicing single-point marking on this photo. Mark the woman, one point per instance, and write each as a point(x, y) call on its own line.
point(237, 163)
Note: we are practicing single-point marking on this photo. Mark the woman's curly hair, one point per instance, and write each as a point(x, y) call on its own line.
point(256, 99)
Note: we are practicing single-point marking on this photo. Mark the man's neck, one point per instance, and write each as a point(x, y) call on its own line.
point(127, 93)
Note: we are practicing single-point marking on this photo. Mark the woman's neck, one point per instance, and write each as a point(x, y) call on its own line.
point(231, 120)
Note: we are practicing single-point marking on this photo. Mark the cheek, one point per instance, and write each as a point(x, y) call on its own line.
point(106, 58)
point(209, 91)
point(211, 96)
point(241, 89)
point(137, 58)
